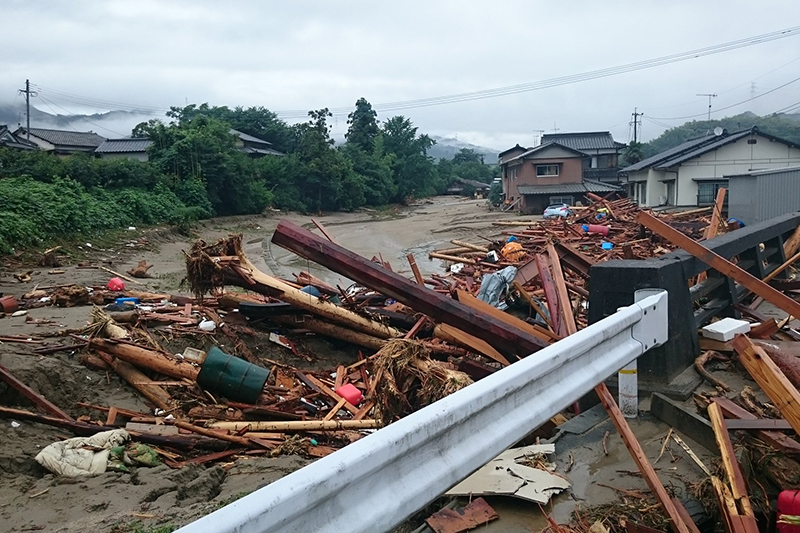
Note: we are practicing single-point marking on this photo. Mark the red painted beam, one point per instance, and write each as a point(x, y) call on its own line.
point(500, 335)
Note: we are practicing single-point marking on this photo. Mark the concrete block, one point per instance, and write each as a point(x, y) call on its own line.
point(724, 330)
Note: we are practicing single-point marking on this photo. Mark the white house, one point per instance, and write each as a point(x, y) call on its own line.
point(691, 173)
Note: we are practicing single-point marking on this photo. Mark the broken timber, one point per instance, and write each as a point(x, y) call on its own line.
point(440, 308)
point(720, 264)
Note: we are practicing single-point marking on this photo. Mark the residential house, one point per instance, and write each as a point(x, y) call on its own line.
point(134, 148)
point(462, 185)
point(62, 142)
point(551, 173)
point(9, 140)
point(759, 195)
point(691, 173)
point(600, 147)
point(253, 146)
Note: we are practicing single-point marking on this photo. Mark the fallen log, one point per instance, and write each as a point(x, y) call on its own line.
point(157, 395)
point(211, 266)
point(145, 358)
point(440, 308)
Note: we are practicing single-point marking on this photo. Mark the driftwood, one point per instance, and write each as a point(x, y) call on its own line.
point(140, 270)
point(699, 365)
point(145, 358)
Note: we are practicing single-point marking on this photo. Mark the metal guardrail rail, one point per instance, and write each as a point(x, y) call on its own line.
point(379, 481)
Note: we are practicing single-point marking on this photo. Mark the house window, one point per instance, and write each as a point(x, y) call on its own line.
point(511, 173)
point(707, 192)
point(569, 200)
point(546, 171)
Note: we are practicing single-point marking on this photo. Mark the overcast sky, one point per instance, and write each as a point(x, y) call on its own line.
point(301, 55)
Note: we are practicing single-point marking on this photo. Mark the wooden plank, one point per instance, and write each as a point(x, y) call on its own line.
point(786, 264)
point(456, 336)
point(762, 424)
point(328, 392)
point(729, 461)
point(720, 264)
point(37, 399)
point(639, 457)
point(770, 378)
point(438, 307)
point(415, 269)
point(713, 226)
point(561, 290)
point(324, 231)
point(775, 439)
point(792, 244)
point(727, 506)
point(501, 316)
point(550, 295)
point(335, 409)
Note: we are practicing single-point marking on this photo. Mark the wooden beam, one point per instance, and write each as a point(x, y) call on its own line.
point(479, 305)
point(639, 457)
point(36, 399)
point(720, 264)
point(713, 226)
point(415, 269)
point(792, 244)
point(789, 262)
point(770, 378)
point(438, 307)
point(157, 395)
point(561, 290)
point(777, 440)
point(550, 294)
point(729, 461)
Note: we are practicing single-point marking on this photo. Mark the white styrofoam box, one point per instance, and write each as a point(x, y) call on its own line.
point(725, 329)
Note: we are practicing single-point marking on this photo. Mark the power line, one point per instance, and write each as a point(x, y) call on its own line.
point(732, 105)
point(82, 118)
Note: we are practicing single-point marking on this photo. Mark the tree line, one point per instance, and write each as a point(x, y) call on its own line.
point(195, 170)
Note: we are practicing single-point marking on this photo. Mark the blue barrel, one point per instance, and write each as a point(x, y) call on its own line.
point(234, 378)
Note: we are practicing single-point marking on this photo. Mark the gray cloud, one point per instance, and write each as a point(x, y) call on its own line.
point(306, 55)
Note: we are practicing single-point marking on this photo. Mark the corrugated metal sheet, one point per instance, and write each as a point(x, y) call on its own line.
point(761, 195)
point(778, 194)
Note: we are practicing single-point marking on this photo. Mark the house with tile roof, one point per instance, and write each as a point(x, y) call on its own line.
point(691, 173)
point(133, 148)
point(62, 142)
point(253, 146)
point(550, 173)
point(9, 140)
point(600, 147)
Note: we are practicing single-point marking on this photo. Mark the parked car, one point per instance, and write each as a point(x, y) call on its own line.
point(557, 211)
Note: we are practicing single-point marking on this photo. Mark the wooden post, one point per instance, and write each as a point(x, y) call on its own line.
point(729, 462)
point(720, 264)
point(713, 226)
point(415, 269)
point(561, 290)
point(142, 357)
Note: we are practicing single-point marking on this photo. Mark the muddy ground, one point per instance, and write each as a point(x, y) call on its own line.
point(31, 499)
point(157, 500)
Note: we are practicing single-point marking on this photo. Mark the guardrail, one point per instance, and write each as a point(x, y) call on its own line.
point(379, 481)
point(759, 249)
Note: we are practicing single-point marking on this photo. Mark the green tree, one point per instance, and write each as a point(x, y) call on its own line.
point(362, 126)
point(633, 153)
point(414, 172)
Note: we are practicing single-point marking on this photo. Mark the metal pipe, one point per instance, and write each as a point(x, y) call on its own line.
point(379, 481)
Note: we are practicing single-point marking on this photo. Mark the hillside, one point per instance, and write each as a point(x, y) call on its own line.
point(786, 126)
point(447, 147)
point(110, 124)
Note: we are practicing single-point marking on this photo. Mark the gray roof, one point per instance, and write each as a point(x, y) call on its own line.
point(245, 137)
point(113, 146)
point(262, 151)
point(697, 147)
point(67, 138)
point(590, 140)
point(541, 147)
point(568, 188)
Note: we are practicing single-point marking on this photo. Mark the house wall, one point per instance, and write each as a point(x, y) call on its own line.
point(571, 171)
point(655, 188)
point(41, 143)
point(742, 198)
point(733, 158)
point(139, 156)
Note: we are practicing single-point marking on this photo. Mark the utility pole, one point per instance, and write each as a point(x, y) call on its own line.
point(28, 94)
point(710, 96)
point(555, 128)
point(636, 123)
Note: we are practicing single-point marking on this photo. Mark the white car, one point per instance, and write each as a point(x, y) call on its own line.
point(557, 211)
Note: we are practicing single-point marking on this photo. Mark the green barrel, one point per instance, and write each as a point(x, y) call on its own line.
point(232, 377)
